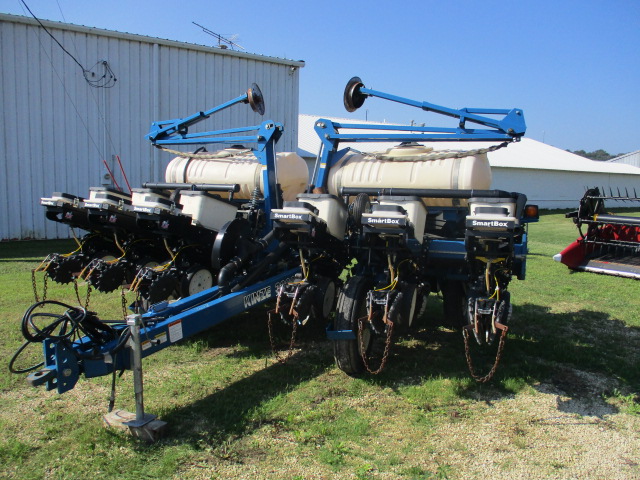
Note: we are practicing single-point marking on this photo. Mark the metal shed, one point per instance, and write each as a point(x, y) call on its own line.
point(57, 128)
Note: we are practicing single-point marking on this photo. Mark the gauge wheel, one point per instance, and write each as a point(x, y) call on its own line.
point(105, 256)
point(454, 303)
point(351, 306)
point(325, 297)
point(197, 279)
point(146, 262)
point(407, 305)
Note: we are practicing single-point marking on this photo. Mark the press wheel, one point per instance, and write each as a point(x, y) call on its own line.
point(351, 306)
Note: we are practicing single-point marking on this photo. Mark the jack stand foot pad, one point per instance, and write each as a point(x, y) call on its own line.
point(150, 429)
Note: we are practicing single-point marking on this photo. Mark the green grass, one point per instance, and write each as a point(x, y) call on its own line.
point(234, 412)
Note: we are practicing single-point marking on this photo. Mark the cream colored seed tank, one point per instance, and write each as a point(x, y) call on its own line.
point(411, 166)
point(240, 166)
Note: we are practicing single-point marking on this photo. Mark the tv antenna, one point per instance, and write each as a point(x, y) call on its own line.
point(222, 41)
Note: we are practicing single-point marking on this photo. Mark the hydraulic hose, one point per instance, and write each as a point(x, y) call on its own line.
point(67, 327)
point(228, 272)
point(271, 258)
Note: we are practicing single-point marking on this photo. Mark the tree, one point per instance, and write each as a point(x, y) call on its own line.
point(598, 155)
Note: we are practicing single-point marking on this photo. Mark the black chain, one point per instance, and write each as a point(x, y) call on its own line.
point(294, 329)
point(443, 155)
point(387, 346)
point(467, 353)
point(123, 301)
point(87, 298)
point(34, 285)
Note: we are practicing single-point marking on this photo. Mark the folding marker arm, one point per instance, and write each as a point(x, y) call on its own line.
point(165, 131)
point(508, 127)
point(265, 136)
point(511, 123)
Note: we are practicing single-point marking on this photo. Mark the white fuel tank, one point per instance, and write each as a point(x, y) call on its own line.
point(411, 166)
point(240, 166)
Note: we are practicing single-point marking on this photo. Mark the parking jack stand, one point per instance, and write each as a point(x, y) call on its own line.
point(143, 425)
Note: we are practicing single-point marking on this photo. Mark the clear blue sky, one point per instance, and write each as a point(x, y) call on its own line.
point(572, 66)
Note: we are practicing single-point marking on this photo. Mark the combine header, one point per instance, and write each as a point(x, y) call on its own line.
point(608, 244)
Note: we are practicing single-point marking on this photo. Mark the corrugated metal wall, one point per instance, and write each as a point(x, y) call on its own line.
point(632, 158)
point(555, 189)
point(56, 129)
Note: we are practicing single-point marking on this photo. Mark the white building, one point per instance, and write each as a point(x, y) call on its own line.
point(57, 129)
point(632, 158)
point(550, 177)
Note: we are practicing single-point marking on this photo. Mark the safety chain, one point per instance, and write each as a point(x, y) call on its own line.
point(363, 351)
point(203, 156)
point(123, 301)
point(440, 155)
point(35, 288)
point(86, 301)
point(467, 353)
point(294, 329)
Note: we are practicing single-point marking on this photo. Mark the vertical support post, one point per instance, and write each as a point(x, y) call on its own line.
point(134, 321)
point(143, 425)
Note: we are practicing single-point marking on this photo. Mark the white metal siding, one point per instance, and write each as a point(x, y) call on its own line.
point(555, 189)
point(632, 158)
point(53, 134)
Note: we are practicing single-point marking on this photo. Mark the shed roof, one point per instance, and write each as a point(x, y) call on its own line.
point(146, 39)
point(526, 153)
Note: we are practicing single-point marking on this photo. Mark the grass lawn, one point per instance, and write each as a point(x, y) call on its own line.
point(567, 389)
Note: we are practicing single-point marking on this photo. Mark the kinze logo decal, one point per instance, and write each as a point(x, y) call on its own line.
point(257, 297)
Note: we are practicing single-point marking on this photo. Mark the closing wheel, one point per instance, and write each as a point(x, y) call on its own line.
point(107, 277)
point(353, 98)
point(325, 297)
point(407, 305)
point(161, 288)
point(197, 279)
point(255, 99)
point(454, 303)
point(62, 269)
point(352, 305)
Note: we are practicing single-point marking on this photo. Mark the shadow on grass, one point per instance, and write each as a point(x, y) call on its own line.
point(581, 356)
point(575, 355)
point(33, 250)
point(234, 410)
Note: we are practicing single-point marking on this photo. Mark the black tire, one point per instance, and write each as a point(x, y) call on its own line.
point(351, 306)
point(360, 205)
point(408, 306)
point(325, 298)
point(454, 303)
point(421, 306)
